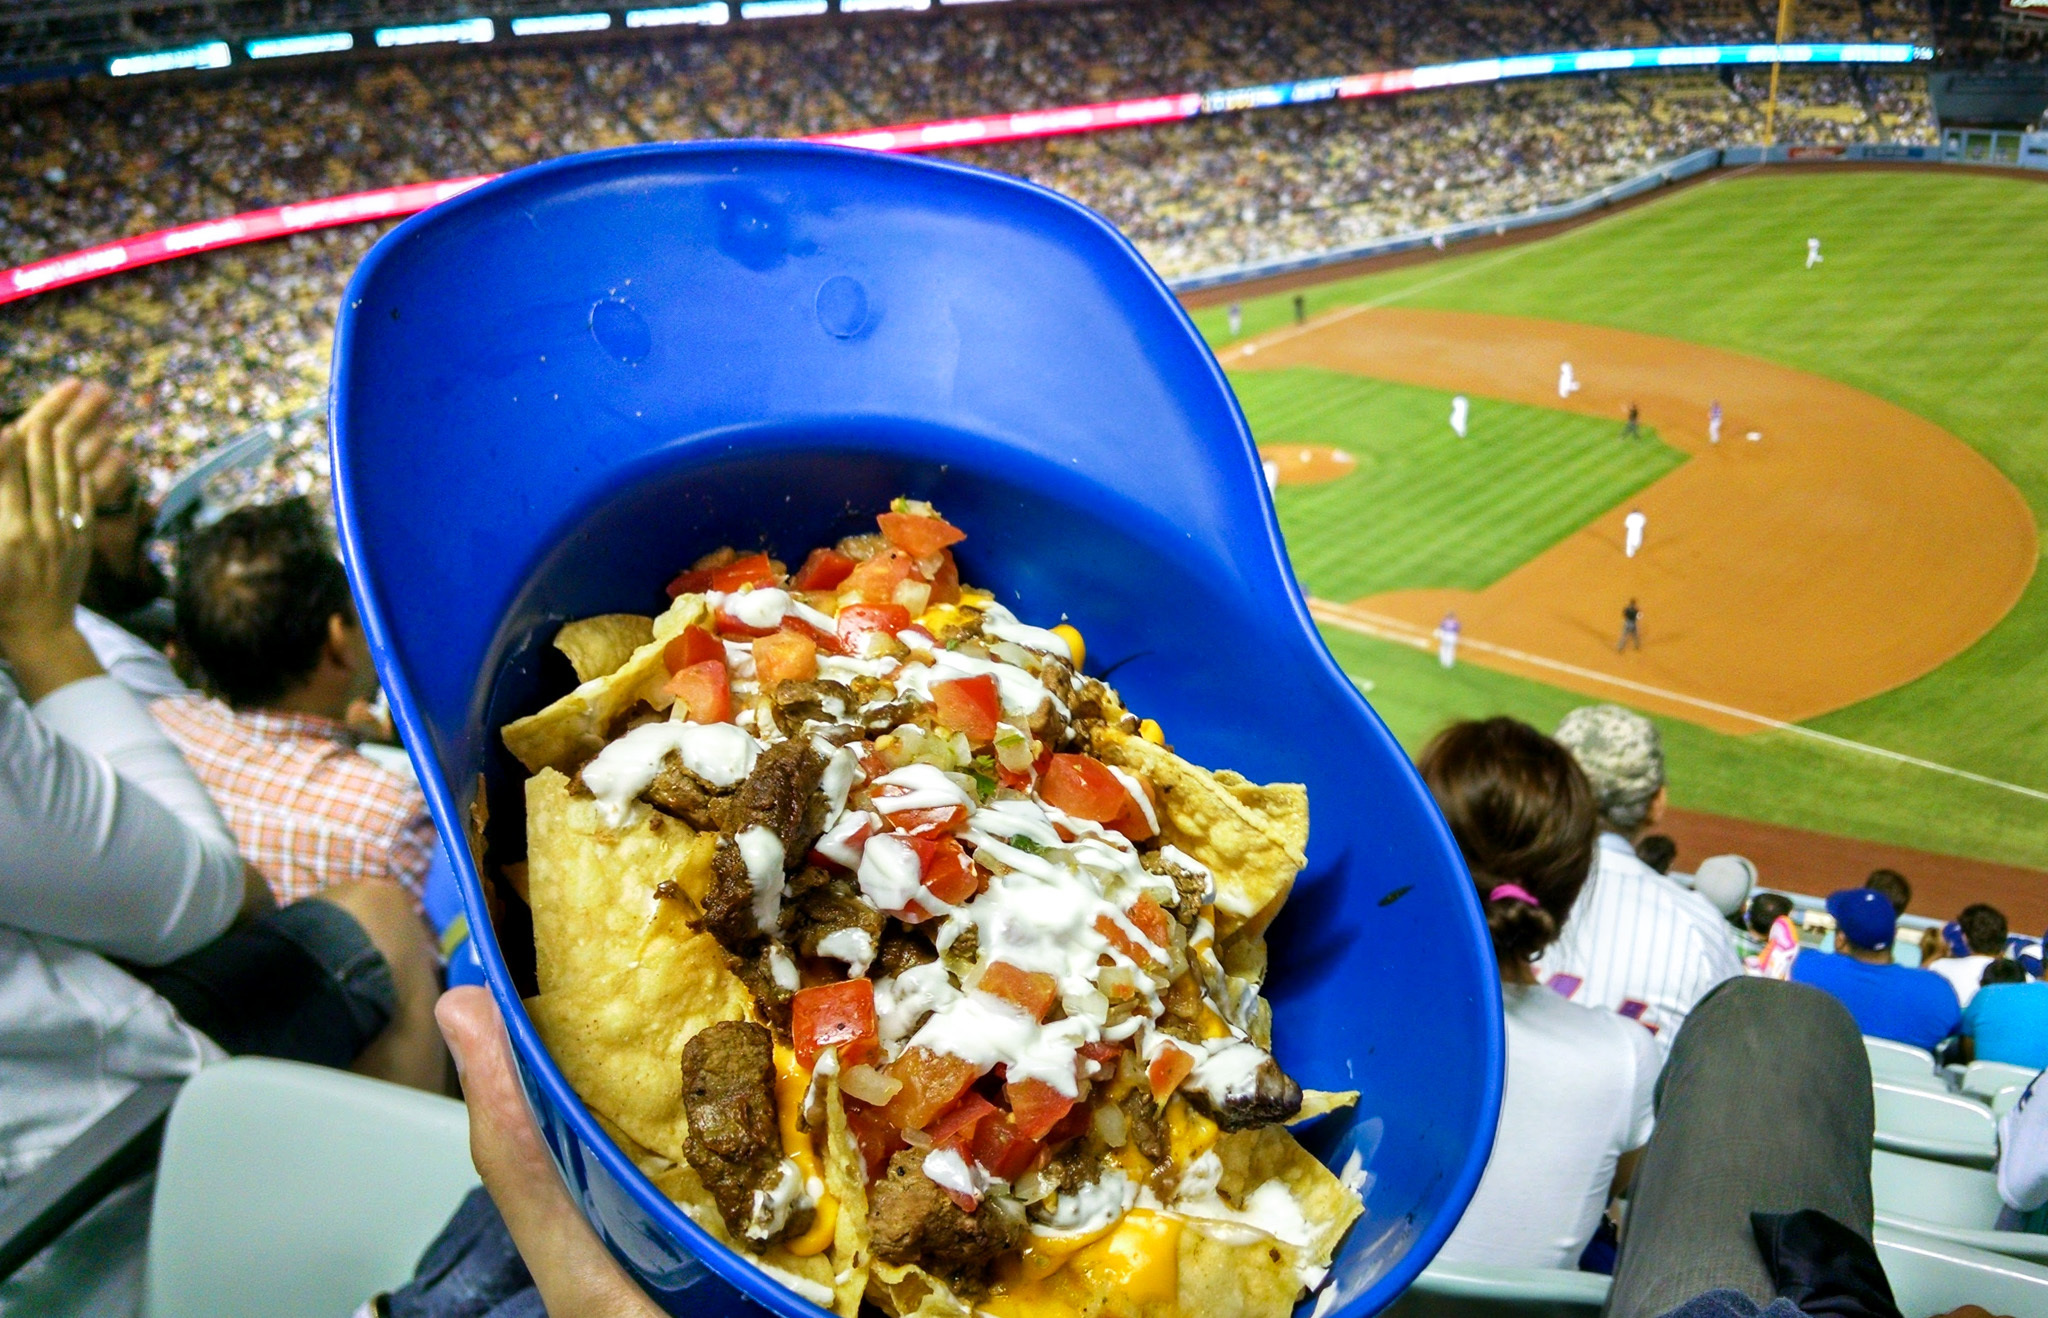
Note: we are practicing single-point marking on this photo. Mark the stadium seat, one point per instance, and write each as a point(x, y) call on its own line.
point(290, 1189)
point(2012, 1244)
point(1930, 1276)
point(1450, 1290)
point(1985, 1079)
point(1902, 1064)
point(2006, 1099)
point(1937, 1193)
point(1934, 1125)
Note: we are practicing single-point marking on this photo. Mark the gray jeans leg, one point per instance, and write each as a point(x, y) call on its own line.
point(1764, 1107)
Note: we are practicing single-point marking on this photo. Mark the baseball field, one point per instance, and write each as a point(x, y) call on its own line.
point(1844, 629)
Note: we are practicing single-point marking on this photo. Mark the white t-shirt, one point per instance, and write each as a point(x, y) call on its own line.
point(1639, 944)
point(1965, 974)
point(2023, 1151)
point(1579, 1091)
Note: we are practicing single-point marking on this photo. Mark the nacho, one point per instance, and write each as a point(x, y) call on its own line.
point(894, 952)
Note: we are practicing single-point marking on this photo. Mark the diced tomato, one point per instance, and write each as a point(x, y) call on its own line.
point(692, 645)
point(825, 569)
point(1036, 1105)
point(753, 570)
point(946, 581)
point(1000, 1149)
point(1032, 990)
point(1167, 1071)
point(875, 580)
point(728, 625)
point(955, 1128)
point(1068, 1127)
point(690, 581)
point(920, 537)
point(705, 690)
point(1083, 787)
point(937, 819)
point(838, 1016)
point(1103, 1053)
point(784, 657)
point(932, 1082)
point(818, 636)
point(857, 622)
point(1150, 920)
point(948, 874)
point(1131, 822)
point(872, 1131)
point(969, 705)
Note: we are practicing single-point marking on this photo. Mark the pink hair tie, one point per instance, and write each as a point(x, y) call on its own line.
point(1514, 893)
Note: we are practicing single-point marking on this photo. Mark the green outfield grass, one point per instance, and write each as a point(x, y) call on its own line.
point(1930, 297)
point(1426, 508)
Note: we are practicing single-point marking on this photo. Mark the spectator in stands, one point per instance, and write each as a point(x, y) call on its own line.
point(1576, 1105)
point(1724, 883)
point(1637, 942)
point(1764, 910)
point(134, 943)
point(264, 610)
point(2007, 1019)
point(1983, 929)
point(2023, 1162)
point(1894, 887)
point(1889, 1001)
point(1658, 852)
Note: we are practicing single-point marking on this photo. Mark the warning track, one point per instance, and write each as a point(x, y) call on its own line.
point(1853, 548)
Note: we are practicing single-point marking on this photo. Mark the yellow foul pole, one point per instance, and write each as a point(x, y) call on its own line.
point(1771, 106)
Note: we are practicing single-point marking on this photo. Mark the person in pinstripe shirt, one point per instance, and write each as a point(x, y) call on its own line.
point(1637, 943)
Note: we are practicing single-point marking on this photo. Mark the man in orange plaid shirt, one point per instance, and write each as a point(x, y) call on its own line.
point(263, 607)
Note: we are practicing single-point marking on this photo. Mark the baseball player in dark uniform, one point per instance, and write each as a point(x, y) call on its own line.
point(1631, 627)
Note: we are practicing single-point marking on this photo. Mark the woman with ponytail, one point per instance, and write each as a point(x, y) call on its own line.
point(1576, 1106)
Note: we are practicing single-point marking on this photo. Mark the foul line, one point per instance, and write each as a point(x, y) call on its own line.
point(1352, 618)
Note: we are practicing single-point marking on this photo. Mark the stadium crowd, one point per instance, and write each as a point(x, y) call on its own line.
point(205, 849)
point(212, 345)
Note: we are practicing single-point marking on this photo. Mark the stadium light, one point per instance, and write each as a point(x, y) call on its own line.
point(870, 6)
point(713, 14)
point(464, 31)
point(314, 43)
point(211, 55)
point(551, 25)
point(782, 8)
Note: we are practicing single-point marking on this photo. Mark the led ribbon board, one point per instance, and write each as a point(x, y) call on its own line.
point(386, 203)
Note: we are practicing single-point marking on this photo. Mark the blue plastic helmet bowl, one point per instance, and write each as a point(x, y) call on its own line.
point(552, 392)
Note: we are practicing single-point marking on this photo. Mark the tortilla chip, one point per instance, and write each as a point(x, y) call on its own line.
point(598, 647)
point(1250, 837)
point(1252, 1157)
point(593, 888)
point(908, 1291)
point(809, 1277)
point(846, 1181)
point(567, 733)
point(1223, 1277)
point(1321, 1102)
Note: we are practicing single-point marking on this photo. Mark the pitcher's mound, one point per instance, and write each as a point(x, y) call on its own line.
point(1304, 464)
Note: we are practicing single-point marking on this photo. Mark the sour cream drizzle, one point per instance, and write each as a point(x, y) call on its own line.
point(719, 753)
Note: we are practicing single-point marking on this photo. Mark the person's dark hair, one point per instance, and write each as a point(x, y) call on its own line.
point(1764, 910)
point(1523, 814)
point(1657, 851)
point(1984, 929)
point(2005, 970)
point(255, 592)
point(1894, 887)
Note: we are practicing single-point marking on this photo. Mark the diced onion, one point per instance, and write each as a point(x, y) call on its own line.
point(869, 1085)
point(1033, 1186)
point(1109, 1123)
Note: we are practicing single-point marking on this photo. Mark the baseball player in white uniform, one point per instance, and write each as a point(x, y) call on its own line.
point(1566, 385)
point(1235, 315)
point(1461, 411)
point(1447, 641)
point(1714, 423)
point(1632, 530)
point(1812, 253)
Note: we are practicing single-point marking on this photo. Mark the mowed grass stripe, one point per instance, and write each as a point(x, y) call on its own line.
point(1924, 298)
point(1424, 508)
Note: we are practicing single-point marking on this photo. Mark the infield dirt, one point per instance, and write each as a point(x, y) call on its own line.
point(1307, 464)
point(1851, 549)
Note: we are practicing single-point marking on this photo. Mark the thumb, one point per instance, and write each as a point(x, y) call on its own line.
point(571, 1267)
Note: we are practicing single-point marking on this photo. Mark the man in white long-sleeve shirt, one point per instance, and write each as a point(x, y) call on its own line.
point(134, 943)
point(1636, 943)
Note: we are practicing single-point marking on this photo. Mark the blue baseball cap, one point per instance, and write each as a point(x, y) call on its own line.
point(1865, 917)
